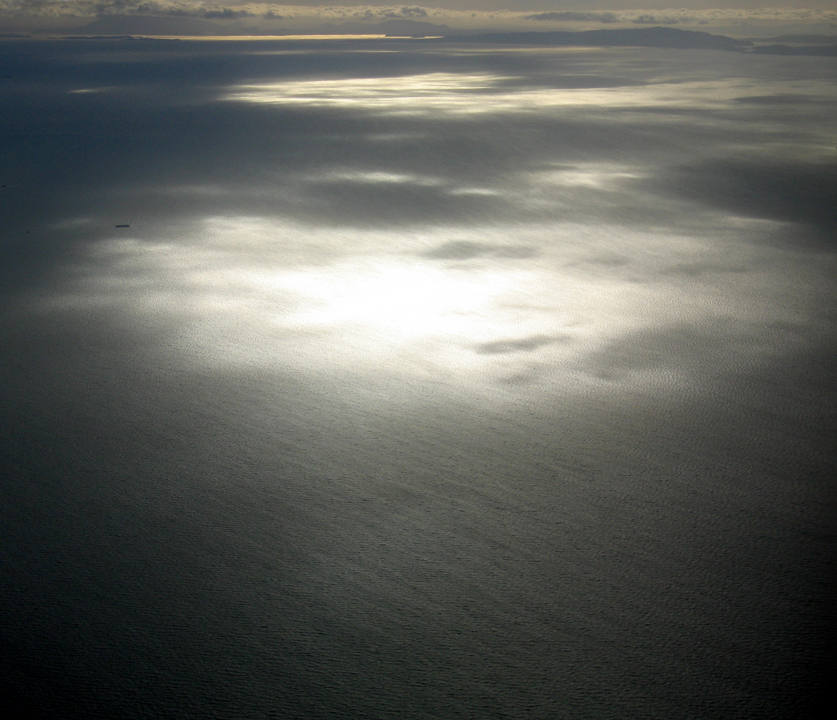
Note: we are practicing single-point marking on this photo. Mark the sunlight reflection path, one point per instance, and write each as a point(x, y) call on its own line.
point(533, 298)
point(467, 94)
point(435, 303)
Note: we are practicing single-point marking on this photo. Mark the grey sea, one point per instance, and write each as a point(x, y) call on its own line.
point(407, 380)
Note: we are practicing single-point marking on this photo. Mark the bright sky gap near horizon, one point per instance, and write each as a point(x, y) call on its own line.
point(417, 379)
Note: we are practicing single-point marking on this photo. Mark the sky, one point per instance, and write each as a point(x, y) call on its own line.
point(739, 16)
point(395, 379)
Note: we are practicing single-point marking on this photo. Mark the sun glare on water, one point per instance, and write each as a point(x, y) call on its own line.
point(396, 300)
point(253, 292)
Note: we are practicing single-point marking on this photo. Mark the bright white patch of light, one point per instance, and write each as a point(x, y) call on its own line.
point(377, 178)
point(412, 93)
point(400, 299)
point(257, 292)
point(599, 176)
point(483, 93)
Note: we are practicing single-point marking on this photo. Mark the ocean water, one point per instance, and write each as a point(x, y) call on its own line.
point(420, 381)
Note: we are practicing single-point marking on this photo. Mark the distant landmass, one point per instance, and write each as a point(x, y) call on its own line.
point(663, 37)
point(803, 39)
point(651, 37)
point(408, 28)
point(813, 50)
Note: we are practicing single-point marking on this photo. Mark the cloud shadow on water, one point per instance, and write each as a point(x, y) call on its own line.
point(468, 250)
point(804, 194)
point(226, 499)
point(526, 344)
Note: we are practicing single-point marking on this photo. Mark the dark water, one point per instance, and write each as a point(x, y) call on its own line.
point(427, 382)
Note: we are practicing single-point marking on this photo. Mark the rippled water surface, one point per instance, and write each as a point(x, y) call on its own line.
point(420, 381)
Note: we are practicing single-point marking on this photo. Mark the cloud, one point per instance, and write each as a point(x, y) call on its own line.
point(568, 16)
point(226, 14)
point(410, 12)
point(302, 16)
point(648, 19)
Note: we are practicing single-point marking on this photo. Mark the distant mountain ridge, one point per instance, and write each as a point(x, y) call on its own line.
point(632, 37)
point(650, 37)
point(662, 37)
point(805, 39)
point(408, 28)
point(809, 50)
